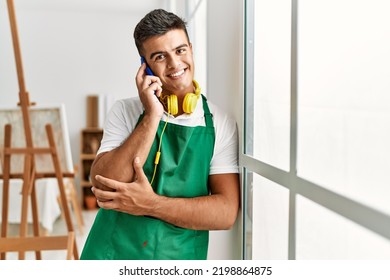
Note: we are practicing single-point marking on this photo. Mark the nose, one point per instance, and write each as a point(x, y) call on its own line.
point(173, 62)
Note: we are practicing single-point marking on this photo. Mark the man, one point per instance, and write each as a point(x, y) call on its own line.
point(165, 174)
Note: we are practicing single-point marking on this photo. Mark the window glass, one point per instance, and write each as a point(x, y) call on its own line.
point(268, 105)
point(322, 234)
point(344, 100)
point(267, 219)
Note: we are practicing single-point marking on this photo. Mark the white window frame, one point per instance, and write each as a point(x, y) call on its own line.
point(344, 206)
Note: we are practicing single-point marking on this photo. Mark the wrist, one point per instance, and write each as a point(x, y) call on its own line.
point(153, 205)
point(152, 117)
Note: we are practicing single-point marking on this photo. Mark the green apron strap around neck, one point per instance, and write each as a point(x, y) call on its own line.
point(207, 114)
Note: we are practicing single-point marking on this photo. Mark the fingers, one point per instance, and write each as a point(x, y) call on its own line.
point(114, 185)
point(103, 196)
point(140, 73)
point(147, 81)
point(106, 204)
point(149, 91)
point(155, 87)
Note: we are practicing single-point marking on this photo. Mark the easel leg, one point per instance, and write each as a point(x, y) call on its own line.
point(4, 216)
point(76, 205)
point(6, 172)
point(25, 197)
point(71, 197)
point(34, 206)
point(57, 168)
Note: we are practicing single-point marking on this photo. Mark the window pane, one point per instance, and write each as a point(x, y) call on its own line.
point(267, 219)
point(268, 105)
point(323, 234)
point(344, 100)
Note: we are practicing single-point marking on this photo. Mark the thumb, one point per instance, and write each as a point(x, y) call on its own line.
point(139, 172)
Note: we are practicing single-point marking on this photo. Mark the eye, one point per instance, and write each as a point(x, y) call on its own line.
point(159, 57)
point(181, 51)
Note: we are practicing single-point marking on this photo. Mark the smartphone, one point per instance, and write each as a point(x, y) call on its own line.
point(148, 70)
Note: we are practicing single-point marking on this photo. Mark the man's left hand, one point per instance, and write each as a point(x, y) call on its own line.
point(133, 198)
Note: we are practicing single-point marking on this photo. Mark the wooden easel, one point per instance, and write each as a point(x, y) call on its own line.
point(23, 243)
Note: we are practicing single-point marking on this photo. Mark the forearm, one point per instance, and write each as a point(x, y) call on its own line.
point(213, 212)
point(118, 163)
point(200, 213)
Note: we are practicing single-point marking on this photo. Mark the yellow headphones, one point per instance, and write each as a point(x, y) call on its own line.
point(189, 102)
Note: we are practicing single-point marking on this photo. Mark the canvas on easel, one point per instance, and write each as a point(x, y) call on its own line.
point(39, 117)
point(30, 172)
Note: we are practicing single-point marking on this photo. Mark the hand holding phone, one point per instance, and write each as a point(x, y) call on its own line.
point(147, 70)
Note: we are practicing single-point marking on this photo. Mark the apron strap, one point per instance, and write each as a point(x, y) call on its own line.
point(207, 114)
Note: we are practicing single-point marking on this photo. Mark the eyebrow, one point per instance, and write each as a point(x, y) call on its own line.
point(161, 52)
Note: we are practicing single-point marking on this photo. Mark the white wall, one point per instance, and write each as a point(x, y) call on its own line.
point(225, 88)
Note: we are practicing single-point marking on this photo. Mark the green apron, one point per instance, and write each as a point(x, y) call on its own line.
point(183, 171)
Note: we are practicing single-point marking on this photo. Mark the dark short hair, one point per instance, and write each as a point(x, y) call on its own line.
point(157, 23)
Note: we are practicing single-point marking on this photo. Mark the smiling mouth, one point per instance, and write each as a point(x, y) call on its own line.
point(177, 74)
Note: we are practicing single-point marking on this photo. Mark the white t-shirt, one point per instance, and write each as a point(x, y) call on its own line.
point(124, 114)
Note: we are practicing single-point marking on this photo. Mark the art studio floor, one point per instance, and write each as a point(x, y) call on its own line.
point(59, 228)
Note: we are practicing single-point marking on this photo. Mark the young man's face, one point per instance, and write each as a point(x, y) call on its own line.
point(170, 58)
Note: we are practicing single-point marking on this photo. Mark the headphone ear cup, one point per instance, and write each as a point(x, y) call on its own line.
point(173, 107)
point(189, 103)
